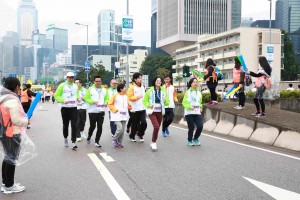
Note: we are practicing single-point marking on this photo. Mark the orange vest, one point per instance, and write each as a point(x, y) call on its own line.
point(214, 74)
point(24, 96)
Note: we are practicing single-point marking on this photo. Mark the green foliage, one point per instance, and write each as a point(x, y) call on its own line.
point(152, 63)
point(289, 94)
point(250, 94)
point(290, 71)
point(162, 72)
point(180, 97)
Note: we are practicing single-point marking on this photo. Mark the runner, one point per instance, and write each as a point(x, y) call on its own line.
point(155, 100)
point(111, 91)
point(97, 98)
point(136, 94)
point(192, 102)
point(169, 113)
point(239, 81)
point(118, 105)
point(81, 111)
point(26, 98)
point(66, 95)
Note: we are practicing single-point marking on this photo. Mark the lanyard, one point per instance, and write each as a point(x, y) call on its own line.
point(99, 92)
point(193, 97)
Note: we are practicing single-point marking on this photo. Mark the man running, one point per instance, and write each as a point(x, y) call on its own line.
point(169, 114)
point(97, 98)
point(26, 98)
point(81, 110)
point(66, 95)
point(111, 91)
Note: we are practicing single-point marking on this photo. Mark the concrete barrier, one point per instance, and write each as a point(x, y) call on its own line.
point(265, 134)
point(210, 119)
point(243, 129)
point(225, 124)
point(288, 140)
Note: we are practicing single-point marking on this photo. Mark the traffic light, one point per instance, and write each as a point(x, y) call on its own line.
point(116, 72)
point(186, 71)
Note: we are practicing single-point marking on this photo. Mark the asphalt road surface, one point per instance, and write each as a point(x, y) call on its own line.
point(221, 168)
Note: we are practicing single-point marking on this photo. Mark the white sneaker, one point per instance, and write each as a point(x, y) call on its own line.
point(240, 107)
point(97, 145)
point(153, 146)
point(13, 189)
point(78, 140)
point(83, 135)
point(66, 142)
point(140, 139)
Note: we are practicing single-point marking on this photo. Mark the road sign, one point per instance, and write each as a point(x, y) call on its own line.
point(270, 52)
point(12, 75)
point(87, 69)
point(87, 63)
point(127, 29)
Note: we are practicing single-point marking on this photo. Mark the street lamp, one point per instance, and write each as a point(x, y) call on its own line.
point(87, 44)
point(270, 22)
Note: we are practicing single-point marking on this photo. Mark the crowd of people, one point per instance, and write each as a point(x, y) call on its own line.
point(127, 110)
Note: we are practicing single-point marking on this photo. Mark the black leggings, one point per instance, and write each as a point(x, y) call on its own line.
point(242, 99)
point(259, 103)
point(213, 94)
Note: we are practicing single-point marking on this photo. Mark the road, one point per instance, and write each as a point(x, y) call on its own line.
point(221, 168)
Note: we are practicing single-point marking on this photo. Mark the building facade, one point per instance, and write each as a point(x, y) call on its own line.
point(134, 61)
point(106, 27)
point(224, 47)
point(180, 23)
point(57, 38)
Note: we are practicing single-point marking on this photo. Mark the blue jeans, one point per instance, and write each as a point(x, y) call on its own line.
point(191, 121)
point(113, 126)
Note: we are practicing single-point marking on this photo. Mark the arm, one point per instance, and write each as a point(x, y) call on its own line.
point(242, 78)
point(175, 96)
point(201, 106)
point(256, 75)
point(167, 102)
point(185, 102)
point(146, 102)
point(106, 98)
point(58, 93)
point(111, 103)
point(87, 97)
point(30, 93)
point(130, 94)
point(14, 111)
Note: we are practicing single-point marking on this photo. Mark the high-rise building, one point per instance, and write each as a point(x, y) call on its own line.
point(27, 21)
point(57, 38)
point(106, 27)
point(179, 23)
point(288, 19)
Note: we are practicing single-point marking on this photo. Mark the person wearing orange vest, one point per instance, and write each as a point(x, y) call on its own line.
point(239, 81)
point(211, 81)
point(26, 97)
point(15, 120)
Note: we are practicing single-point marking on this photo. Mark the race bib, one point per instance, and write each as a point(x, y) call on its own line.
point(123, 113)
point(157, 108)
point(71, 102)
point(100, 105)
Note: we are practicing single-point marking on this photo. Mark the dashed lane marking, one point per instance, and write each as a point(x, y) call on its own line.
point(109, 179)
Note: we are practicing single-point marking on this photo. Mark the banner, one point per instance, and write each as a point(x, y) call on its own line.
point(127, 29)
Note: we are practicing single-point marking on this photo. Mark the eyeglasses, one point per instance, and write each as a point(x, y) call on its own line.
point(98, 81)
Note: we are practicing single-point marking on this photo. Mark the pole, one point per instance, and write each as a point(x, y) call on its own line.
point(87, 49)
point(127, 49)
point(270, 22)
point(2, 61)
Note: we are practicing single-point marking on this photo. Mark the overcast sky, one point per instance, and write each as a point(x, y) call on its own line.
point(65, 13)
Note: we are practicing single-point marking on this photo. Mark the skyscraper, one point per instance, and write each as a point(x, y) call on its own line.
point(57, 38)
point(106, 27)
point(288, 19)
point(179, 24)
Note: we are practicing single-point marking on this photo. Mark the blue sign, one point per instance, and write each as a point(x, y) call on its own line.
point(87, 63)
point(87, 69)
point(12, 75)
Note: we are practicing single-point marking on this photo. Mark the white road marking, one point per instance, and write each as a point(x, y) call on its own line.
point(245, 145)
point(106, 157)
point(275, 192)
point(109, 179)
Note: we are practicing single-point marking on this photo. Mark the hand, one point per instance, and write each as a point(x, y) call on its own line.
point(105, 104)
point(96, 102)
point(151, 106)
point(192, 108)
point(66, 102)
point(164, 99)
point(28, 123)
point(117, 111)
point(140, 96)
point(248, 71)
point(240, 85)
point(79, 100)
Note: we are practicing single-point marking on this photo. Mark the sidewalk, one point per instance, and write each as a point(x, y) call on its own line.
point(275, 117)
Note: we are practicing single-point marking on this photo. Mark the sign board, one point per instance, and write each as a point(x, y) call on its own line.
point(117, 65)
point(270, 52)
point(145, 80)
point(12, 75)
point(127, 29)
point(87, 65)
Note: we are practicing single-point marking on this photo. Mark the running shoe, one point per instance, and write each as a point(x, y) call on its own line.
point(256, 113)
point(153, 146)
point(261, 115)
point(127, 130)
point(115, 143)
point(97, 144)
point(66, 142)
point(78, 139)
point(190, 143)
point(74, 147)
point(167, 132)
point(13, 189)
point(196, 142)
point(140, 138)
point(239, 107)
point(164, 134)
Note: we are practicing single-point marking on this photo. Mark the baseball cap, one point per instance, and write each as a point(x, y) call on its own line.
point(70, 74)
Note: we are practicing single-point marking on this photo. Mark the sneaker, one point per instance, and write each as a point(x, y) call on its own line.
point(97, 144)
point(120, 145)
point(74, 147)
point(239, 107)
point(13, 189)
point(132, 139)
point(164, 134)
point(127, 130)
point(115, 143)
point(78, 140)
point(261, 115)
point(256, 113)
point(214, 103)
point(140, 138)
point(153, 146)
point(3, 186)
point(196, 142)
point(88, 141)
point(83, 135)
point(209, 103)
point(66, 142)
point(167, 132)
point(190, 143)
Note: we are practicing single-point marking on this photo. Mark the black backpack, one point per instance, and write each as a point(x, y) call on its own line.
point(2, 126)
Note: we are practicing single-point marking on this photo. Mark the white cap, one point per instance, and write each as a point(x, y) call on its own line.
point(70, 74)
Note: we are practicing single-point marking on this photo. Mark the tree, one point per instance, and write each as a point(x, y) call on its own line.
point(162, 72)
point(290, 70)
point(153, 62)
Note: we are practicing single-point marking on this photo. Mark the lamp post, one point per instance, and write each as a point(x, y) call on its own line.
point(127, 50)
point(270, 22)
point(87, 44)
